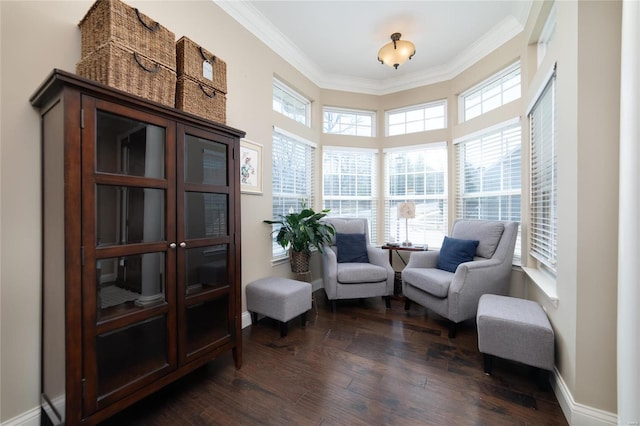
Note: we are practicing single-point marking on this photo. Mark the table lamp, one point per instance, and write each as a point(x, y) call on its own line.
point(407, 211)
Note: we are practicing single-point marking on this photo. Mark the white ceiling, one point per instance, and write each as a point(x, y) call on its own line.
point(335, 43)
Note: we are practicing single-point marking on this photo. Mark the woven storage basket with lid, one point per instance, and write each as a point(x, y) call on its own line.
point(201, 99)
point(114, 21)
point(201, 65)
point(124, 69)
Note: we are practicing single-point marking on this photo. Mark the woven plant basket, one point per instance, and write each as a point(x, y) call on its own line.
point(124, 69)
point(114, 21)
point(200, 64)
point(201, 99)
point(299, 261)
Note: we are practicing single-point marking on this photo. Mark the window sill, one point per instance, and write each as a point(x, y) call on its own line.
point(279, 260)
point(545, 282)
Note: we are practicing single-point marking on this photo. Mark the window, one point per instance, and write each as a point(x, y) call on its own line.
point(418, 174)
point(348, 122)
point(290, 103)
point(492, 93)
point(488, 166)
point(293, 159)
point(349, 184)
point(543, 208)
point(547, 34)
point(418, 118)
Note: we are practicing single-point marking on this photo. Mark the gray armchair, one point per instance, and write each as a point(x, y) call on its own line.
point(355, 279)
point(455, 295)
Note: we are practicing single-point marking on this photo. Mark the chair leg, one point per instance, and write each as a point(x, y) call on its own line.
point(453, 327)
point(333, 305)
point(283, 329)
point(304, 319)
point(488, 363)
point(407, 304)
point(254, 317)
point(387, 301)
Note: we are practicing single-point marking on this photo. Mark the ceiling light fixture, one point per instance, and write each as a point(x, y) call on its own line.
point(397, 52)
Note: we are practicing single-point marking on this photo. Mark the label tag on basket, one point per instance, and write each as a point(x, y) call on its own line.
point(207, 70)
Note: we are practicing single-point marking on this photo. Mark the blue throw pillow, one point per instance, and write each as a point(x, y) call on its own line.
point(455, 251)
point(352, 248)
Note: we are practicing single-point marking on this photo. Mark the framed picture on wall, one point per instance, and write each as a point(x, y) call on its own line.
point(250, 167)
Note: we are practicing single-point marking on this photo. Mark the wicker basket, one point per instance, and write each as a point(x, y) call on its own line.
point(299, 261)
point(200, 99)
point(113, 21)
point(200, 64)
point(119, 67)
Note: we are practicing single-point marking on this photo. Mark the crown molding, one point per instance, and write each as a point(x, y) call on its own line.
point(256, 23)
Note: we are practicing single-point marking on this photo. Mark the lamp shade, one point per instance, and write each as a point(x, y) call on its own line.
point(407, 210)
point(397, 52)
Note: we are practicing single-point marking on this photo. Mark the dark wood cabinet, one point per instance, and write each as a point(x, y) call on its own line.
point(141, 247)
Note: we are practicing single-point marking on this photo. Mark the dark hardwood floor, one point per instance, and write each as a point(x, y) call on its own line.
point(363, 365)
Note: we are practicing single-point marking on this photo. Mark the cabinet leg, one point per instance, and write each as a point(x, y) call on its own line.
point(237, 357)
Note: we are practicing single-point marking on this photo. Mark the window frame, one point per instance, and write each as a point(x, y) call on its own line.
point(373, 195)
point(484, 86)
point(547, 35)
point(500, 134)
point(548, 262)
point(294, 95)
point(414, 109)
point(352, 112)
point(284, 199)
point(391, 201)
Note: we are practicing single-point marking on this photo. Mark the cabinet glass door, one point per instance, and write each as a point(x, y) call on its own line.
point(128, 237)
point(205, 163)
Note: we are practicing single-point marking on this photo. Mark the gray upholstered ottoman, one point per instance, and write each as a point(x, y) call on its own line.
point(514, 329)
point(279, 298)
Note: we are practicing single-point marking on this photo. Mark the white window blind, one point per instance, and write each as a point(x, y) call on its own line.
point(543, 209)
point(340, 121)
point(488, 166)
point(293, 171)
point(417, 118)
point(497, 90)
point(349, 184)
point(417, 174)
point(290, 103)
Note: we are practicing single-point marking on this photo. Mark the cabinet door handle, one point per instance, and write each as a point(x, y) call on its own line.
point(172, 245)
point(183, 244)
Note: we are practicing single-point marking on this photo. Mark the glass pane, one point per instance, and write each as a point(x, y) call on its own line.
point(129, 283)
point(206, 268)
point(129, 147)
point(127, 215)
point(205, 162)
point(206, 215)
point(206, 323)
point(130, 353)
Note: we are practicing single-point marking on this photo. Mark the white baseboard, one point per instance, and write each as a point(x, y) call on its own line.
point(28, 418)
point(246, 319)
point(317, 284)
point(579, 414)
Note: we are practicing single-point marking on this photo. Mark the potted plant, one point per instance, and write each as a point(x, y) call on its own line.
point(299, 232)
